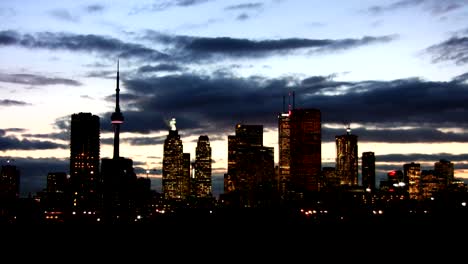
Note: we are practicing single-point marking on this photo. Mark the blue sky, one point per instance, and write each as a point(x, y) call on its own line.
point(396, 70)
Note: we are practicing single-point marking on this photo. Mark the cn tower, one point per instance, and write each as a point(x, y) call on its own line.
point(117, 117)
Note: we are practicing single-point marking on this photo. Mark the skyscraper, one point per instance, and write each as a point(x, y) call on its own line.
point(173, 164)
point(347, 158)
point(284, 147)
point(444, 169)
point(412, 174)
point(250, 178)
point(84, 161)
point(55, 200)
point(9, 183)
point(203, 168)
point(184, 182)
point(246, 136)
point(9, 192)
point(300, 151)
point(368, 170)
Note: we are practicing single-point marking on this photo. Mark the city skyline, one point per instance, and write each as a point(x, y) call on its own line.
point(213, 64)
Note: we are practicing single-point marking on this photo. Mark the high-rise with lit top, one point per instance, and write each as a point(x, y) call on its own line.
point(347, 158)
point(173, 164)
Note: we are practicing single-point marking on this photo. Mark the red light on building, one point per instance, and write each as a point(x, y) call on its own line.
point(392, 173)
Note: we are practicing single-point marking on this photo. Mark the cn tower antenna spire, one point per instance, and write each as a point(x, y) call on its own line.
point(117, 117)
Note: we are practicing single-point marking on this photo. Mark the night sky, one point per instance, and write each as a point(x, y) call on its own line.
point(397, 71)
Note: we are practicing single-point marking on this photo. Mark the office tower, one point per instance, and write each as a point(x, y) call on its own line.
point(300, 151)
point(253, 180)
point(246, 136)
point(368, 170)
point(184, 183)
point(329, 177)
point(431, 184)
point(347, 158)
point(412, 175)
point(203, 168)
point(9, 192)
point(284, 152)
point(55, 200)
point(249, 135)
point(120, 185)
point(9, 183)
point(444, 169)
point(84, 161)
point(119, 178)
point(173, 164)
point(56, 182)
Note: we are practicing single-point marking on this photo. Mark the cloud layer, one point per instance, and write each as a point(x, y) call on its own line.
point(216, 103)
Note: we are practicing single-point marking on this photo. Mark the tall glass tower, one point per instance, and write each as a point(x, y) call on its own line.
point(347, 158)
point(203, 168)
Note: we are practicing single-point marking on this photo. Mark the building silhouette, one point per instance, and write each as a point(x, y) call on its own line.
point(184, 183)
point(9, 182)
point(300, 152)
point(368, 170)
point(444, 169)
point(412, 176)
point(173, 165)
point(284, 152)
point(203, 168)
point(84, 162)
point(347, 158)
point(9, 192)
point(251, 173)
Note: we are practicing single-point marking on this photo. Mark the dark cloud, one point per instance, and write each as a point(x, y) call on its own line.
point(415, 135)
point(243, 16)
point(214, 104)
point(139, 141)
point(62, 135)
point(105, 74)
point(13, 143)
point(101, 45)
point(107, 141)
point(13, 129)
point(8, 102)
point(34, 79)
point(461, 78)
point(454, 50)
point(435, 7)
point(162, 5)
point(160, 67)
point(181, 48)
point(97, 65)
point(86, 97)
point(33, 172)
point(246, 6)
point(95, 8)
point(198, 48)
point(419, 157)
point(64, 15)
